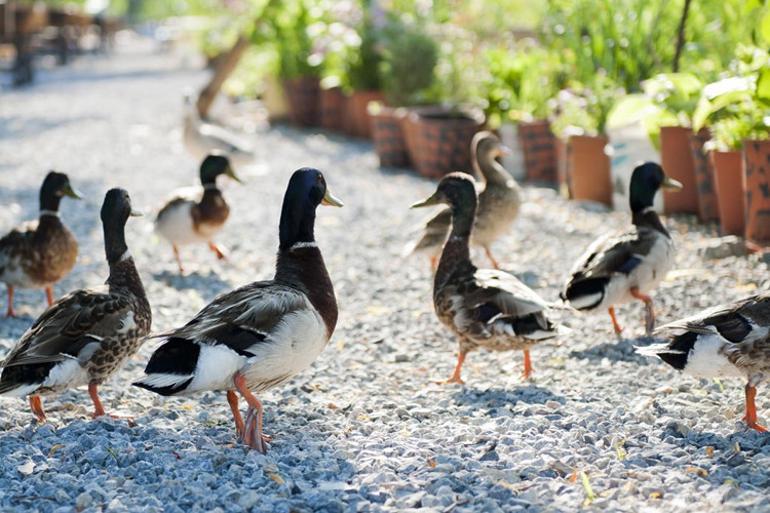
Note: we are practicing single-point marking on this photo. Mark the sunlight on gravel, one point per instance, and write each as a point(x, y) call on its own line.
point(365, 429)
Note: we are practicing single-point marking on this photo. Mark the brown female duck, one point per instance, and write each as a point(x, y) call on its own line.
point(192, 218)
point(38, 254)
point(483, 307)
point(498, 207)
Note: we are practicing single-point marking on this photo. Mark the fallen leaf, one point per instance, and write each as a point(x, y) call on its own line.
point(656, 495)
point(276, 477)
point(431, 463)
point(54, 449)
point(590, 495)
point(702, 472)
point(709, 451)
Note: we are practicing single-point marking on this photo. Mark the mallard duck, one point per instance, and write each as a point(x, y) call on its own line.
point(620, 267)
point(499, 203)
point(726, 341)
point(87, 335)
point(38, 254)
point(201, 138)
point(260, 335)
point(484, 307)
point(189, 217)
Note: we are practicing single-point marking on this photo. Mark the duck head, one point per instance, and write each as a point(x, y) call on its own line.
point(54, 188)
point(216, 164)
point(646, 180)
point(306, 190)
point(116, 210)
point(458, 190)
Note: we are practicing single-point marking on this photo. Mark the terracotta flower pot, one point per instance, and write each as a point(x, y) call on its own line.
point(539, 147)
point(728, 184)
point(388, 135)
point(439, 141)
point(756, 169)
point(704, 177)
point(360, 125)
point(332, 102)
point(303, 95)
point(588, 169)
point(676, 159)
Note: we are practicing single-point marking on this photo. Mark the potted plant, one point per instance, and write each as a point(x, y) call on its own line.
point(438, 136)
point(519, 84)
point(408, 66)
point(580, 117)
point(362, 74)
point(289, 29)
point(737, 108)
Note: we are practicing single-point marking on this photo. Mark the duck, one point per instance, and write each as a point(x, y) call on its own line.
point(620, 267)
point(189, 217)
point(500, 200)
point(201, 138)
point(87, 335)
point(37, 254)
point(726, 341)
point(258, 336)
point(485, 308)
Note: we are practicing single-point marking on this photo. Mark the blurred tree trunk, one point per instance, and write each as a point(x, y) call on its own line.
point(225, 66)
point(680, 35)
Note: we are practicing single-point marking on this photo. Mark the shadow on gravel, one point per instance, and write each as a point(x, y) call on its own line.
point(495, 399)
point(208, 284)
point(620, 351)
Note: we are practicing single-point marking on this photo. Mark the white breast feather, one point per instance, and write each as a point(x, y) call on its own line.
point(217, 365)
point(707, 360)
point(291, 347)
point(176, 225)
point(66, 374)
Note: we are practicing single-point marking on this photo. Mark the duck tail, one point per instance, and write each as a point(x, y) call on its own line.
point(171, 368)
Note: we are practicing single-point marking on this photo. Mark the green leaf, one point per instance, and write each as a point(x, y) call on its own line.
point(763, 85)
point(632, 108)
point(764, 28)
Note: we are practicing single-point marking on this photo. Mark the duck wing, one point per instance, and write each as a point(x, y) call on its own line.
point(221, 138)
point(433, 234)
point(80, 319)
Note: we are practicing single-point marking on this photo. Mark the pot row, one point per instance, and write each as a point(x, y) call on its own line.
point(730, 187)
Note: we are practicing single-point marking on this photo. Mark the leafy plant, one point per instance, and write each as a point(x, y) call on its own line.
point(409, 62)
point(364, 64)
point(582, 110)
point(520, 83)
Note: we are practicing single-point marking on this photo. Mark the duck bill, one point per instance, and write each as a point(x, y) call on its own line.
point(435, 199)
point(231, 174)
point(671, 184)
point(330, 200)
point(71, 193)
point(136, 213)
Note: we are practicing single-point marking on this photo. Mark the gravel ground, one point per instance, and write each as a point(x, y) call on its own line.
point(365, 429)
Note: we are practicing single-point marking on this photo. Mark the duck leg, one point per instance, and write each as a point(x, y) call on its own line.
point(253, 435)
point(49, 294)
point(10, 312)
point(232, 399)
point(93, 391)
point(650, 312)
point(433, 263)
point(455, 378)
point(178, 259)
point(615, 324)
point(527, 373)
point(36, 404)
point(491, 258)
point(218, 251)
point(751, 409)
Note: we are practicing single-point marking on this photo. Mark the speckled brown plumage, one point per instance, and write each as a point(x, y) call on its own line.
point(88, 334)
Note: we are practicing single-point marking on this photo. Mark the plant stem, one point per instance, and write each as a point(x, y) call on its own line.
point(680, 35)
